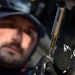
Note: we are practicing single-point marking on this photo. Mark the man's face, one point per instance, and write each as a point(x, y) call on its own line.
point(18, 37)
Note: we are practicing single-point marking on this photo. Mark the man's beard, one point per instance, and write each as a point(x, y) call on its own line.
point(10, 58)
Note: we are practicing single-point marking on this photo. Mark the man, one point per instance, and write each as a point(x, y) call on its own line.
point(19, 36)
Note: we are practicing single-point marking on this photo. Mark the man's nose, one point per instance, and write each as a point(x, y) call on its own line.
point(18, 37)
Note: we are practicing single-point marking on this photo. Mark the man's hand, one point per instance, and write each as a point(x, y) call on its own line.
point(61, 61)
point(70, 4)
point(62, 57)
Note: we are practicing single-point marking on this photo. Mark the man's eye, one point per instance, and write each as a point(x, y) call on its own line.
point(29, 33)
point(7, 25)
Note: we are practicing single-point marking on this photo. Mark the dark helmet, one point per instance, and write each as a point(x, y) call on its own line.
point(17, 7)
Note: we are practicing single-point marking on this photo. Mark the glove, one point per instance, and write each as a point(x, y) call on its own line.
point(71, 70)
point(62, 58)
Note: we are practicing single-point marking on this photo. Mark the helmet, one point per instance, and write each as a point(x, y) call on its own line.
point(17, 7)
